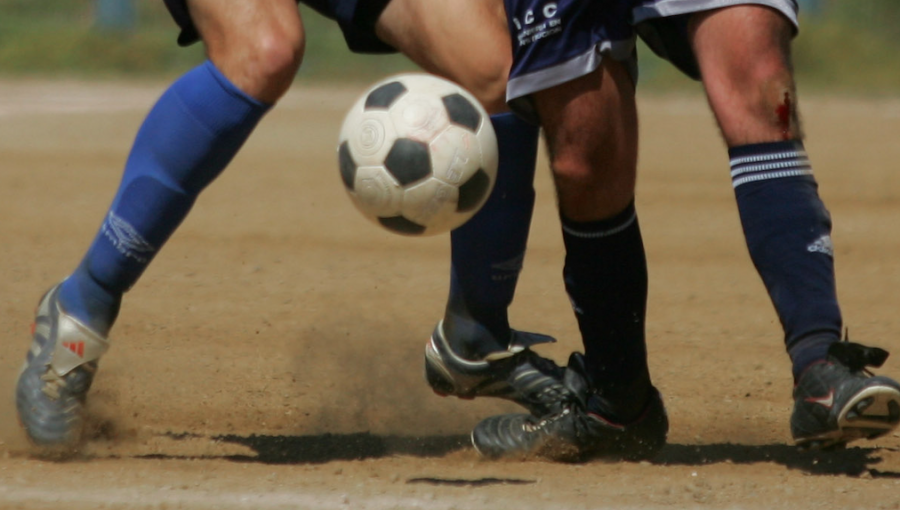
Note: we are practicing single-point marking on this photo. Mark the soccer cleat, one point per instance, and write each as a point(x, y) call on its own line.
point(517, 374)
point(575, 433)
point(58, 371)
point(837, 400)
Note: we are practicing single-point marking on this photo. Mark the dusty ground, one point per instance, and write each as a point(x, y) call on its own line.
point(272, 355)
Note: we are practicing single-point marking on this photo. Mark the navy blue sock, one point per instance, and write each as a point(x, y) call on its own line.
point(187, 139)
point(788, 232)
point(487, 251)
point(606, 278)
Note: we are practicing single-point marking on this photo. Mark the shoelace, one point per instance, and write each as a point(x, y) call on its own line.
point(546, 420)
point(54, 383)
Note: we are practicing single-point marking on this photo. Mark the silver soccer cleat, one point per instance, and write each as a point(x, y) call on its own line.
point(56, 376)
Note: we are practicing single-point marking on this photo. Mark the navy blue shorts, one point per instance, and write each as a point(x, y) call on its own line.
point(662, 25)
point(355, 17)
point(555, 41)
point(357, 20)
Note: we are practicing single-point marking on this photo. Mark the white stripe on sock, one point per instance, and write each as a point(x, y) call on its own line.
point(602, 233)
point(768, 157)
point(771, 175)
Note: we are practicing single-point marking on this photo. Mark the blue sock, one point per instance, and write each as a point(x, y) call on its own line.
point(606, 278)
point(788, 232)
point(185, 142)
point(487, 252)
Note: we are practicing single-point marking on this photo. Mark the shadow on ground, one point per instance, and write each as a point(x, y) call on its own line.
point(849, 461)
point(322, 448)
point(330, 447)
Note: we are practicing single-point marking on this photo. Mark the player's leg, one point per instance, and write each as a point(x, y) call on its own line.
point(583, 93)
point(754, 99)
point(188, 137)
point(744, 58)
point(258, 45)
point(742, 52)
point(473, 49)
point(487, 252)
point(186, 140)
point(613, 410)
point(591, 130)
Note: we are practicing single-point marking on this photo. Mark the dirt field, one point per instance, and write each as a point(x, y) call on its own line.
point(272, 356)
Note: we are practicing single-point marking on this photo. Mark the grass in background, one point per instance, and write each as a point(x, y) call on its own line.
point(850, 47)
point(844, 46)
point(60, 38)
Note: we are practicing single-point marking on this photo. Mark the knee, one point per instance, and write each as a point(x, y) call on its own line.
point(753, 77)
point(760, 88)
point(768, 79)
point(572, 167)
point(490, 88)
point(486, 80)
point(776, 92)
point(591, 186)
point(273, 61)
point(579, 179)
point(262, 63)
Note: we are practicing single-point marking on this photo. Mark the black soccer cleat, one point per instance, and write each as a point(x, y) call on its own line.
point(837, 400)
point(517, 374)
point(575, 433)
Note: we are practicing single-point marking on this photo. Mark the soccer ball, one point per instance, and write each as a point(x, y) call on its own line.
point(418, 154)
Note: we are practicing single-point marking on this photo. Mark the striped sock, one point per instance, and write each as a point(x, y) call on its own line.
point(788, 233)
point(765, 161)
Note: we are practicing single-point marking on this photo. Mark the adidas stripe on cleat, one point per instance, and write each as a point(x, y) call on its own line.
point(837, 400)
point(518, 374)
point(56, 376)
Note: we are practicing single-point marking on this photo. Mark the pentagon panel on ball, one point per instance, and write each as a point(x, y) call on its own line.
point(417, 154)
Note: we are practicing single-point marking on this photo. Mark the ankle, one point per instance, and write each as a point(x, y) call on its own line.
point(809, 351)
point(472, 340)
point(90, 303)
point(622, 402)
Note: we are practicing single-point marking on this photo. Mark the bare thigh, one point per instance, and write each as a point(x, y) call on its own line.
point(257, 44)
point(591, 130)
point(466, 41)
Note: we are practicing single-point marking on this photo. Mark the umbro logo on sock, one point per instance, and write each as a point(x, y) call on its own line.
point(126, 239)
point(511, 267)
point(822, 245)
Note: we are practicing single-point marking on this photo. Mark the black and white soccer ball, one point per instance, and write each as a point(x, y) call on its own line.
point(418, 154)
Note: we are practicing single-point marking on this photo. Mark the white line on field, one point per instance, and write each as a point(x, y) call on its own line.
point(147, 497)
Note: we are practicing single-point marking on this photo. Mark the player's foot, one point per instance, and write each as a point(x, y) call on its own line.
point(517, 374)
point(56, 376)
point(577, 432)
point(837, 400)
